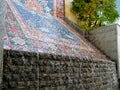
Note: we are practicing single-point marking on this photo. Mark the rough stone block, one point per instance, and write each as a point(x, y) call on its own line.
point(59, 75)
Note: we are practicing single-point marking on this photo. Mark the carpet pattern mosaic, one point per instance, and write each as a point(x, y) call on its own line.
point(31, 27)
point(60, 9)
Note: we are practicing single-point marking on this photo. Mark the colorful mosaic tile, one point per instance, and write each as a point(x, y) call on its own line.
point(31, 27)
point(60, 9)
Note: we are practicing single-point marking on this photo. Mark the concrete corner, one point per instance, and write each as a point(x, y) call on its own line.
point(107, 39)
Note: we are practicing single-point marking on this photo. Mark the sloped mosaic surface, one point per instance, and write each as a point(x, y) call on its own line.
point(31, 27)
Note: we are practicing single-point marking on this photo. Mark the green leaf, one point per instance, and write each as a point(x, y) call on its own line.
point(94, 13)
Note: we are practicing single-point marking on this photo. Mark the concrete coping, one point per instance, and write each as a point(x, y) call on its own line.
point(104, 29)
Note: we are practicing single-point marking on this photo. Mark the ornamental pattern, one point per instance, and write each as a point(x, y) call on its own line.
point(31, 27)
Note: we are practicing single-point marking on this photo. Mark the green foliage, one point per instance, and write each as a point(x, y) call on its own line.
point(94, 13)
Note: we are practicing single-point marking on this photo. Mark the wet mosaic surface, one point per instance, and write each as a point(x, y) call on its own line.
point(31, 27)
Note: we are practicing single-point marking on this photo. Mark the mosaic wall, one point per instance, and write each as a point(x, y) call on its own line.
point(60, 9)
point(48, 7)
point(39, 6)
point(29, 27)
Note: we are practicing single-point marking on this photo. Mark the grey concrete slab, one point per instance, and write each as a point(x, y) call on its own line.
point(107, 39)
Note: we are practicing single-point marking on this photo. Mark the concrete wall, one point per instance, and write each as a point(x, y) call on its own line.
point(107, 39)
point(35, 71)
point(2, 10)
point(68, 14)
point(74, 26)
point(118, 49)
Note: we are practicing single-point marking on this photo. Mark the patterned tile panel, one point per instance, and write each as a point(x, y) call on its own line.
point(29, 27)
point(60, 8)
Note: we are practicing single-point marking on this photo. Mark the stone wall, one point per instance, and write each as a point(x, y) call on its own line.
point(2, 10)
point(35, 71)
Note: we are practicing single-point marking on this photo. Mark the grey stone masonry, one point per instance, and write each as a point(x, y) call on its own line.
point(36, 71)
point(2, 10)
point(107, 39)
